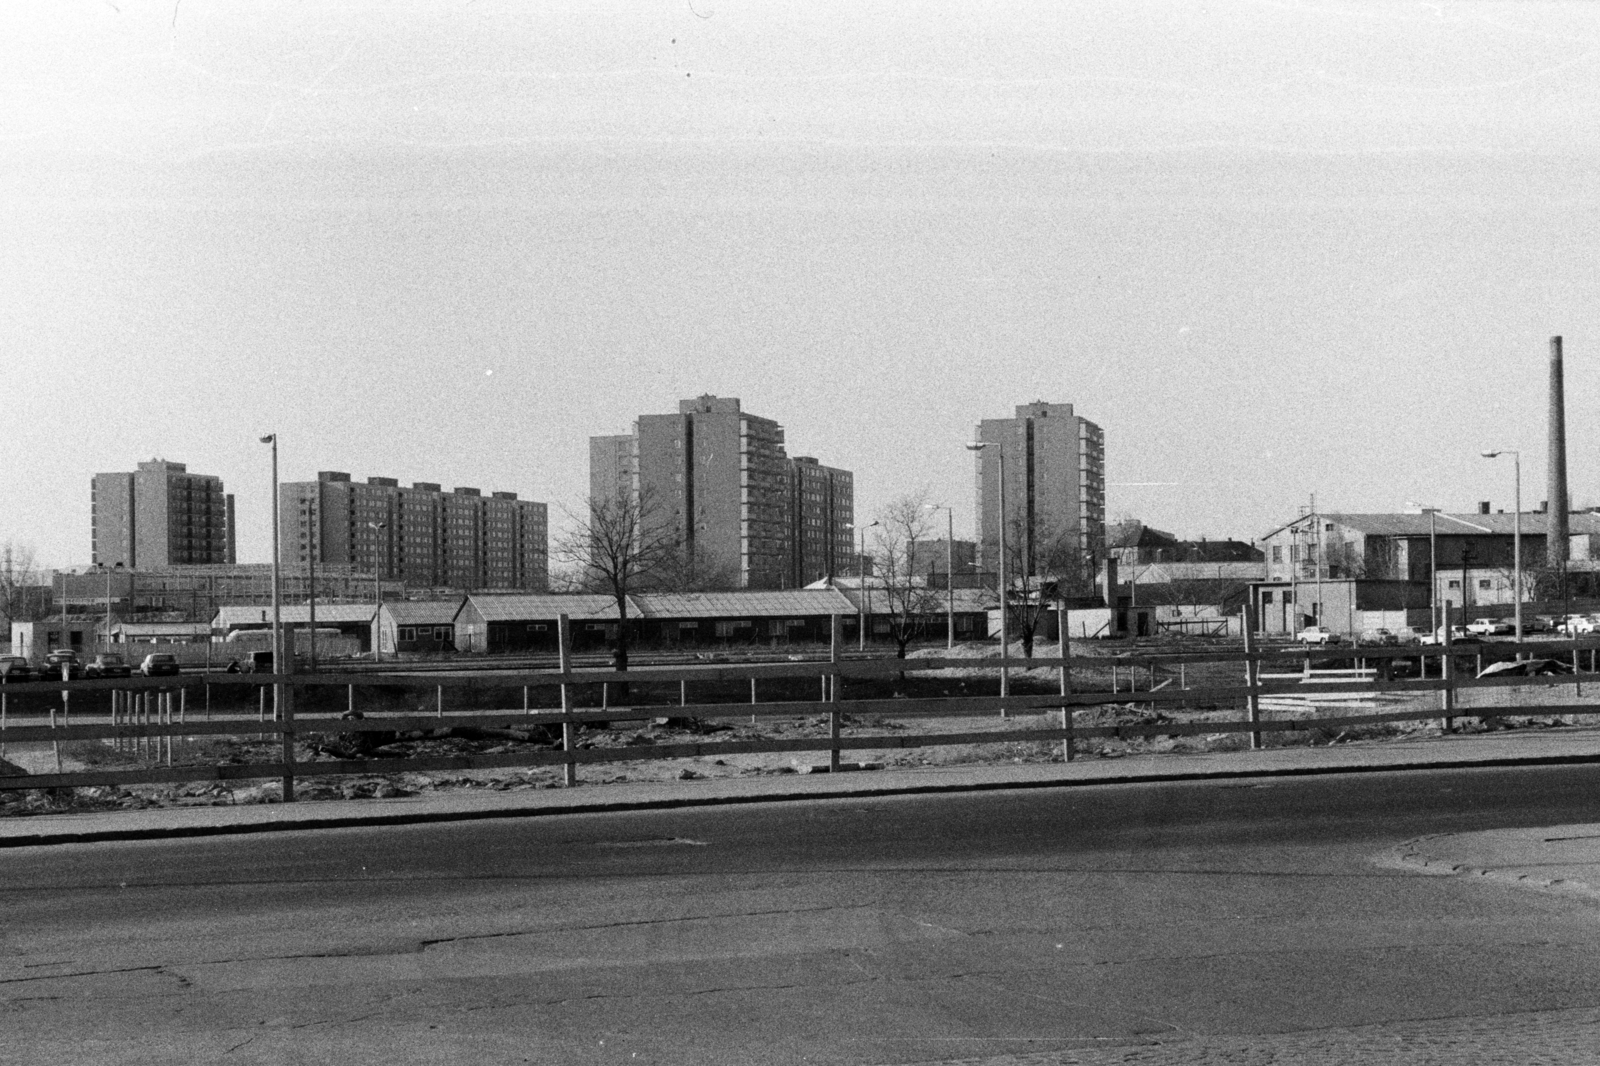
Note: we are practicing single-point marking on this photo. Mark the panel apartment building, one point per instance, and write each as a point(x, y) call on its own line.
point(422, 535)
point(1055, 485)
point(720, 480)
point(160, 515)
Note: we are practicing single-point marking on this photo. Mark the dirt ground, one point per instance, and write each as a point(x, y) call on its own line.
point(1091, 672)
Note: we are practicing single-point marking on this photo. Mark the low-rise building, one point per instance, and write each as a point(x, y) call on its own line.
point(413, 627)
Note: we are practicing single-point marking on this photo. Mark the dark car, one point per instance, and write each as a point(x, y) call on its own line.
point(61, 657)
point(159, 664)
point(14, 669)
point(108, 666)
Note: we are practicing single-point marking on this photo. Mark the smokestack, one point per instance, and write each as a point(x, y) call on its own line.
point(1556, 466)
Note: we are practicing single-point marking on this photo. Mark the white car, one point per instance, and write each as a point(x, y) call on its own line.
point(1491, 627)
point(1317, 635)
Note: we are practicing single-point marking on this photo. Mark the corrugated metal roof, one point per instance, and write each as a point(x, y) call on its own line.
point(297, 614)
point(423, 612)
point(522, 608)
point(163, 629)
point(788, 603)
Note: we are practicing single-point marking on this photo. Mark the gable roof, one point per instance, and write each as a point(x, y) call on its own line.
point(293, 614)
point(423, 612)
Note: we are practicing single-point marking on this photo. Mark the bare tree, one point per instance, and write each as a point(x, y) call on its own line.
point(1056, 571)
point(616, 546)
point(698, 571)
point(20, 599)
point(903, 524)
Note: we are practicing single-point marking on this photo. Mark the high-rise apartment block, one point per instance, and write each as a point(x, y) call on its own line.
point(719, 480)
point(1055, 491)
point(822, 520)
point(160, 515)
point(420, 535)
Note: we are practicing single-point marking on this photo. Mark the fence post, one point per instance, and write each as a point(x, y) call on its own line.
point(526, 709)
point(836, 635)
point(287, 728)
point(568, 739)
point(438, 702)
point(1447, 671)
point(1252, 674)
point(752, 699)
point(1066, 682)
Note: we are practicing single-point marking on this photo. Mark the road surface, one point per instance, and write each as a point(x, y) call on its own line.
point(1237, 922)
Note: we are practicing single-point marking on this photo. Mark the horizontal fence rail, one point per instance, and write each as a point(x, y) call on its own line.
point(148, 715)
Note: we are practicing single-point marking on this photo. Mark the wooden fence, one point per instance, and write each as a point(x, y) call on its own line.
point(150, 713)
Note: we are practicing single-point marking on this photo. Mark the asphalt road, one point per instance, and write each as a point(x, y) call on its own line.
point(1242, 922)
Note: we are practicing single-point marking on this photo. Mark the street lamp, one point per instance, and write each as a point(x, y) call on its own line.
point(1516, 530)
point(278, 664)
point(865, 590)
point(949, 570)
point(1433, 561)
point(109, 571)
point(377, 595)
point(1005, 590)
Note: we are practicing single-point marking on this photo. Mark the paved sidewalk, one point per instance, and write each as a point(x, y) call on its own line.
point(1510, 748)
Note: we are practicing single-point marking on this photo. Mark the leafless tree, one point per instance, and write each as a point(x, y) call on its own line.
point(1056, 571)
point(903, 524)
point(616, 546)
point(20, 600)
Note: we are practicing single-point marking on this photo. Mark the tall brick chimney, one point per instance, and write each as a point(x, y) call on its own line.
point(1556, 466)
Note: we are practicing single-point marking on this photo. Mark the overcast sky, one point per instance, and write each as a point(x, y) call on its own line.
point(1274, 249)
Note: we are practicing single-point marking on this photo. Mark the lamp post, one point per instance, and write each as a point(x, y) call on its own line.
point(949, 571)
point(278, 664)
point(865, 590)
point(1516, 531)
point(377, 595)
point(1005, 590)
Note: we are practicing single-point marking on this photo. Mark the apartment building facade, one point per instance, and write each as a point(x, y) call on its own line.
point(160, 515)
point(719, 481)
point(420, 535)
point(1055, 497)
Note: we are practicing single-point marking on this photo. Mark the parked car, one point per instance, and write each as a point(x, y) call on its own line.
point(260, 662)
point(14, 669)
point(159, 664)
point(108, 666)
point(1583, 623)
point(1317, 635)
point(1382, 637)
point(1491, 627)
point(1458, 635)
point(51, 669)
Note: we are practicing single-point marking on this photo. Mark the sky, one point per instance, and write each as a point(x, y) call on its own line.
point(1274, 249)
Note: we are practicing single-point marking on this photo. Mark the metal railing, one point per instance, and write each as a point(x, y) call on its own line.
point(150, 715)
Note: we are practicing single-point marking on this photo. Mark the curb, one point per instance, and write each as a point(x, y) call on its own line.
point(1409, 856)
point(601, 806)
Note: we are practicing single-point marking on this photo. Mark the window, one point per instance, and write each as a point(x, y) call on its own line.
point(1277, 553)
point(408, 633)
point(441, 633)
point(1483, 583)
point(1455, 584)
